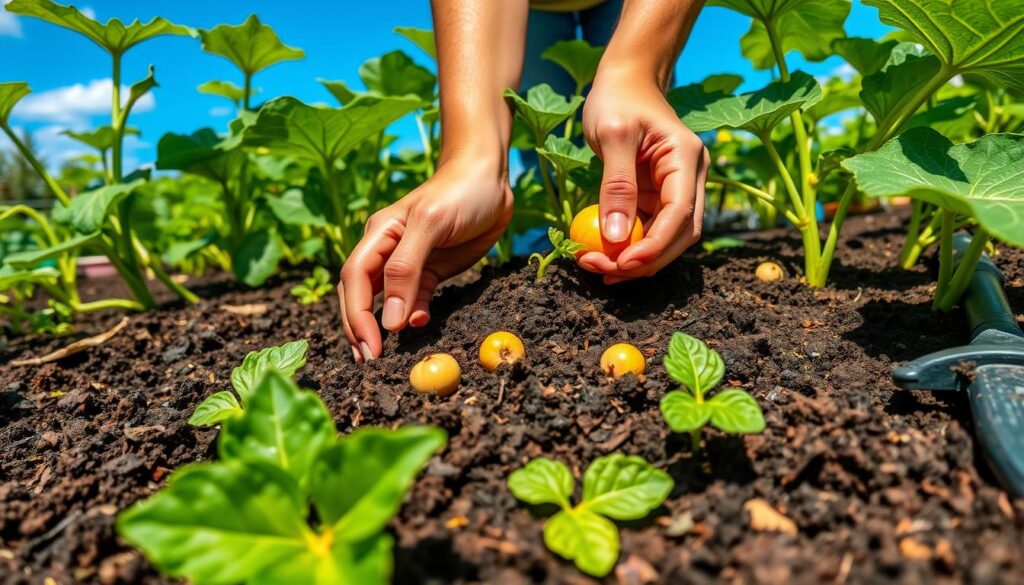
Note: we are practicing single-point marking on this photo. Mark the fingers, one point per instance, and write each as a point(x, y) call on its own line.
point(404, 275)
point(361, 279)
point(618, 148)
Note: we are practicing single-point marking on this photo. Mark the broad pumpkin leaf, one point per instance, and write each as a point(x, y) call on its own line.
point(11, 93)
point(806, 26)
point(395, 74)
point(624, 487)
point(953, 117)
point(983, 37)
point(257, 257)
point(588, 539)
point(981, 179)
point(88, 211)
point(565, 155)
point(31, 258)
point(578, 57)
point(683, 413)
point(837, 96)
point(542, 481)
point(757, 112)
point(867, 56)
point(693, 364)
point(114, 36)
point(358, 483)
point(226, 89)
point(422, 38)
point(543, 110)
point(281, 425)
point(300, 207)
point(252, 46)
point(178, 252)
point(101, 138)
point(340, 90)
point(290, 127)
point(287, 359)
point(723, 82)
point(896, 84)
point(200, 153)
point(735, 411)
point(216, 408)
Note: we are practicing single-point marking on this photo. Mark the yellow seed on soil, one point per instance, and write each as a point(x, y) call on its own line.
point(621, 359)
point(769, 271)
point(500, 347)
point(438, 373)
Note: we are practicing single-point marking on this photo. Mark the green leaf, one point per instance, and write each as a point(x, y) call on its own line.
point(88, 211)
point(542, 481)
point(867, 56)
point(200, 153)
point(723, 82)
point(693, 364)
point(340, 90)
point(953, 117)
point(368, 562)
point(757, 112)
point(543, 109)
point(969, 36)
point(422, 38)
point(216, 408)
point(831, 160)
point(590, 540)
point(287, 359)
point(257, 257)
point(139, 89)
point(981, 179)
point(300, 207)
point(837, 95)
point(10, 277)
point(32, 258)
point(806, 26)
point(219, 523)
point(225, 89)
point(358, 483)
point(565, 155)
point(578, 57)
point(280, 425)
point(624, 487)
point(735, 411)
point(290, 127)
point(895, 85)
point(722, 243)
point(395, 74)
point(683, 413)
point(101, 138)
point(252, 46)
point(10, 94)
point(114, 36)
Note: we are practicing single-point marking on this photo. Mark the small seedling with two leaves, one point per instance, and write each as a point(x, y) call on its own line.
point(563, 248)
point(615, 487)
point(688, 410)
point(314, 287)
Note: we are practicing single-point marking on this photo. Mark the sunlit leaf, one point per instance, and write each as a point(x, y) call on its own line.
point(565, 155)
point(226, 89)
point(252, 46)
point(735, 411)
point(257, 257)
point(693, 364)
point(578, 57)
point(216, 408)
point(88, 211)
point(542, 481)
point(721, 82)
point(895, 85)
point(624, 487)
point(543, 110)
point(287, 359)
point(683, 413)
point(586, 538)
point(10, 94)
point(31, 258)
point(422, 38)
point(867, 56)
point(101, 138)
point(395, 74)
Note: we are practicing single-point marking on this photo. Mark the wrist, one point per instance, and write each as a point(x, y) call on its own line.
point(478, 136)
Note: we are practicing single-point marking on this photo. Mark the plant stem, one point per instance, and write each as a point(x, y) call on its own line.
point(695, 442)
point(247, 91)
point(888, 129)
point(945, 253)
point(964, 271)
point(787, 179)
point(757, 193)
point(131, 275)
point(106, 304)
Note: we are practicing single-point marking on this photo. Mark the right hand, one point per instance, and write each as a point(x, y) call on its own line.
point(435, 232)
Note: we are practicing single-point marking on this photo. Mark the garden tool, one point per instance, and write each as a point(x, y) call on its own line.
point(990, 369)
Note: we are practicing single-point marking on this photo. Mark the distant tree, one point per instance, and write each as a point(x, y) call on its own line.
point(18, 180)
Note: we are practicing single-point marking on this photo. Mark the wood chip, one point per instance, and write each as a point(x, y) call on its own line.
point(635, 571)
point(73, 348)
point(765, 518)
point(456, 522)
point(915, 550)
point(246, 310)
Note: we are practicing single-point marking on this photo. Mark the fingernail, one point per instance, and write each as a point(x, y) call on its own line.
point(631, 264)
point(394, 314)
point(355, 355)
point(615, 228)
point(419, 318)
point(365, 350)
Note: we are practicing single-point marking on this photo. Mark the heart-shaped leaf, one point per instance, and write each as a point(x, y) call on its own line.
point(892, 87)
point(88, 211)
point(981, 179)
point(806, 26)
point(10, 94)
point(395, 74)
point(578, 57)
point(257, 257)
point(286, 359)
point(588, 539)
point(216, 408)
point(867, 56)
point(225, 89)
point(252, 46)
point(542, 481)
point(683, 413)
point(624, 487)
point(101, 138)
point(693, 364)
point(735, 411)
point(565, 155)
point(300, 207)
point(543, 109)
point(200, 153)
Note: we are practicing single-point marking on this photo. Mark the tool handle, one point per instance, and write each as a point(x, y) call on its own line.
point(997, 405)
point(984, 301)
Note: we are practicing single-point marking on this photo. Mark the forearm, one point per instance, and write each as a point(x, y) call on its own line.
point(479, 54)
point(649, 37)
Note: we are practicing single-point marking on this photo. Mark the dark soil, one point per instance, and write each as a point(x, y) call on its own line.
point(883, 485)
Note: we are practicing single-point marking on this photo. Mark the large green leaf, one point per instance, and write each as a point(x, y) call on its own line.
point(589, 539)
point(867, 56)
point(225, 89)
point(291, 127)
point(216, 408)
point(723, 82)
point(280, 425)
point(32, 258)
point(10, 94)
point(985, 37)
point(201, 153)
point(257, 257)
point(114, 36)
point(287, 359)
point(693, 364)
point(88, 211)
point(624, 487)
point(982, 178)
point(543, 109)
point(758, 112)
point(101, 138)
point(542, 481)
point(683, 413)
point(395, 74)
point(359, 482)
point(565, 155)
point(837, 96)
point(735, 411)
point(895, 85)
point(300, 207)
point(252, 46)
point(340, 90)
point(578, 57)
point(806, 26)
point(422, 38)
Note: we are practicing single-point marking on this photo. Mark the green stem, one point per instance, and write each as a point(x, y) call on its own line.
point(131, 275)
point(787, 179)
point(964, 271)
point(247, 91)
point(945, 254)
point(115, 121)
point(757, 193)
point(695, 441)
point(107, 304)
point(913, 234)
point(895, 120)
point(54, 186)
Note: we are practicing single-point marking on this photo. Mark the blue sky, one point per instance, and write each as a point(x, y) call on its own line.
point(70, 76)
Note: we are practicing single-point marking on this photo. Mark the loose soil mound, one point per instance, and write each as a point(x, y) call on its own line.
point(883, 485)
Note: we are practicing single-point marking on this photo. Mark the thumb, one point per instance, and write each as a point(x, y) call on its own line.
point(618, 189)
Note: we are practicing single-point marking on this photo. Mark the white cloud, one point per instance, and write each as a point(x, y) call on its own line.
point(221, 111)
point(76, 104)
point(10, 26)
point(846, 72)
point(88, 11)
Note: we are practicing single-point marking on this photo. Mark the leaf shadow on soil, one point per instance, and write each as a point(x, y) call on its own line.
point(922, 331)
point(431, 556)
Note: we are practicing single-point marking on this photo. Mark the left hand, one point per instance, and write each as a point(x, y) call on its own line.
point(654, 169)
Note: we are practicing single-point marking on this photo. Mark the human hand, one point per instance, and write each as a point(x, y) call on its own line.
point(408, 248)
point(654, 169)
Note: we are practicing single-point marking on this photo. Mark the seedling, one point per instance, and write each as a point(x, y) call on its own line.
point(289, 501)
point(769, 271)
point(621, 359)
point(563, 248)
point(438, 373)
point(688, 410)
point(313, 288)
point(500, 347)
point(221, 406)
point(586, 229)
point(615, 487)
